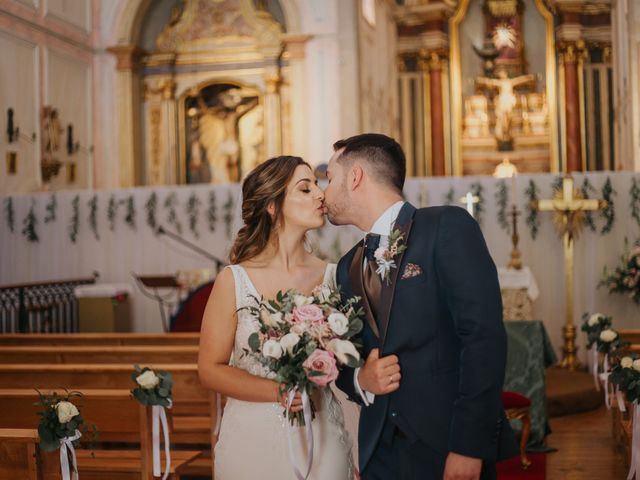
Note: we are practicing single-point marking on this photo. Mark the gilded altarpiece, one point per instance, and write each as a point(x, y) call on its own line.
point(503, 86)
point(215, 101)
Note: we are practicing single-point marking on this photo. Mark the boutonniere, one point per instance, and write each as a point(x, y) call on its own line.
point(385, 257)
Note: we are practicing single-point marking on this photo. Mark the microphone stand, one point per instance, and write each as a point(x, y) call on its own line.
point(219, 263)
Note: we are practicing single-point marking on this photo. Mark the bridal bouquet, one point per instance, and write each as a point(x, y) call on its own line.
point(304, 340)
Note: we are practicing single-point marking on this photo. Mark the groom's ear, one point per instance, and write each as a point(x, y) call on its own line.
point(356, 176)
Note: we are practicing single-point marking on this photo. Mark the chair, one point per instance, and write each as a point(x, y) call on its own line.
point(518, 406)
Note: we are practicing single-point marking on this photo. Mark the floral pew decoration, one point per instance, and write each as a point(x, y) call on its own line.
point(61, 427)
point(154, 390)
point(602, 339)
point(625, 375)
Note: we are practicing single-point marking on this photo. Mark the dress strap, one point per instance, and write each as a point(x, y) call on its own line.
point(238, 279)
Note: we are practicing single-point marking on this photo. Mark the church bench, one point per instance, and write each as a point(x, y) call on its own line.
point(99, 354)
point(630, 335)
point(87, 339)
point(20, 456)
point(117, 417)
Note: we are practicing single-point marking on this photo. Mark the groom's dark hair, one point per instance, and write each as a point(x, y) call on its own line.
point(383, 154)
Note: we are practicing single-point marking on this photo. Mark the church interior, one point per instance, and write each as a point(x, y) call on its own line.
point(128, 126)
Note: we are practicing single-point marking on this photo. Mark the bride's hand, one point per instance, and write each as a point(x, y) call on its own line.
point(296, 404)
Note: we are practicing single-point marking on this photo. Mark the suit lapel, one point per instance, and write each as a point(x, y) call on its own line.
point(355, 274)
point(403, 224)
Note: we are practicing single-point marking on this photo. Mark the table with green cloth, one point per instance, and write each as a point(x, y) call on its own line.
point(529, 352)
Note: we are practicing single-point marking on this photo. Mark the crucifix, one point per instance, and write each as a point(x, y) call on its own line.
point(568, 206)
point(470, 200)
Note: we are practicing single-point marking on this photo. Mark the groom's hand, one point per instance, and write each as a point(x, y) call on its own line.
point(459, 467)
point(380, 376)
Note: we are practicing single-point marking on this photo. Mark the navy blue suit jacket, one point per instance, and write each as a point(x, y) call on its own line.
point(445, 325)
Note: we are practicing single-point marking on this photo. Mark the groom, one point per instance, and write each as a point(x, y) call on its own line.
point(434, 342)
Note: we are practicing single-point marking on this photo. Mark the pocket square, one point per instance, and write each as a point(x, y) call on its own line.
point(411, 270)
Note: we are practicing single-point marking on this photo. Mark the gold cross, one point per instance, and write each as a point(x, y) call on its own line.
point(569, 206)
point(470, 199)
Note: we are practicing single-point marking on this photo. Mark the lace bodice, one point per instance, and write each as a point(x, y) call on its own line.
point(248, 324)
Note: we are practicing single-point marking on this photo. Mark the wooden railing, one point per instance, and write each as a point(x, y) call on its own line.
point(47, 307)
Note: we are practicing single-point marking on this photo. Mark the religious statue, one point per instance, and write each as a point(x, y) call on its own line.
point(476, 118)
point(52, 130)
point(219, 132)
point(505, 101)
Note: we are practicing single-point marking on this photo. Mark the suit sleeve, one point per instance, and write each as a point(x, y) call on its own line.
point(469, 281)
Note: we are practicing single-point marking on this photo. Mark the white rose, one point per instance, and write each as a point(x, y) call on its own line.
point(342, 348)
point(626, 362)
point(272, 348)
point(608, 335)
point(270, 319)
point(298, 329)
point(301, 300)
point(636, 365)
point(289, 341)
point(148, 380)
point(339, 323)
point(66, 411)
point(594, 319)
point(379, 253)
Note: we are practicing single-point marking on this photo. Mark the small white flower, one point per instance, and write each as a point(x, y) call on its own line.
point(270, 319)
point(301, 300)
point(289, 341)
point(148, 380)
point(594, 319)
point(323, 293)
point(636, 365)
point(298, 329)
point(66, 411)
point(380, 253)
point(272, 348)
point(338, 323)
point(626, 362)
point(608, 335)
point(342, 348)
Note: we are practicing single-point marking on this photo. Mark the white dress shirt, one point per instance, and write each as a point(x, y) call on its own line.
point(381, 227)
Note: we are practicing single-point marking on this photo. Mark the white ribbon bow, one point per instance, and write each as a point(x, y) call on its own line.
point(593, 360)
point(604, 376)
point(159, 415)
point(635, 443)
point(66, 444)
point(306, 408)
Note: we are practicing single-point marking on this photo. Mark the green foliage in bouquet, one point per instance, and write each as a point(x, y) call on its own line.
point(60, 418)
point(152, 388)
point(625, 278)
point(626, 375)
point(599, 332)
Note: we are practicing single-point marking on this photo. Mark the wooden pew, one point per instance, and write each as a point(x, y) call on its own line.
point(116, 415)
point(88, 339)
point(193, 409)
point(99, 354)
point(630, 335)
point(20, 456)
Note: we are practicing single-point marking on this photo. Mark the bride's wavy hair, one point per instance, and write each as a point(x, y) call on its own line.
point(266, 184)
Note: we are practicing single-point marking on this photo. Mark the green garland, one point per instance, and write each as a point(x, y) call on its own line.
point(556, 185)
point(29, 225)
point(193, 210)
point(502, 199)
point(212, 215)
point(533, 222)
point(9, 213)
point(93, 215)
point(634, 194)
point(586, 190)
point(130, 217)
point(151, 207)
point(476, 191)
point(448, 198)
point(172, 217)
point(112, 210)
point(75, 217)
point(228, 214)
point(51, 209)
point(609, 212)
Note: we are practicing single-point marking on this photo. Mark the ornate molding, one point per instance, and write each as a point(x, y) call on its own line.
point(128, 56)
point(295, 45)
point(572, 51)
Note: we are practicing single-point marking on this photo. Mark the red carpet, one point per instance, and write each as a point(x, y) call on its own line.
point(511, 469)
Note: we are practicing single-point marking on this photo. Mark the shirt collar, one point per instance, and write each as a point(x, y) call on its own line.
point(385, 222)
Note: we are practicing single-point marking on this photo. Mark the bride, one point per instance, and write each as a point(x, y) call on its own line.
point(281, 201)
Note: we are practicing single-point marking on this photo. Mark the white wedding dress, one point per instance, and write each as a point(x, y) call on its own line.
point(253, 436)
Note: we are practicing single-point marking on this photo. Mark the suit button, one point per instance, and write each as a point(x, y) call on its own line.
point(394, 414)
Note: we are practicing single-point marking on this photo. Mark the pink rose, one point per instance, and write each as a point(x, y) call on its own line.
point(311, 314)
point(323, 362)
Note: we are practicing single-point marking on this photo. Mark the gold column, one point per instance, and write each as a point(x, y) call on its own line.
point(160, 131)
point(129, 96)
point(272, 114)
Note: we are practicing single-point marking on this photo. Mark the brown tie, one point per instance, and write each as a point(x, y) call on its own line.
point(373, 288)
